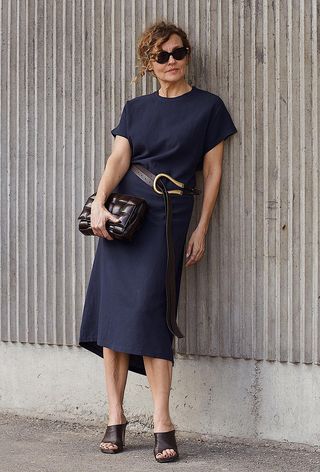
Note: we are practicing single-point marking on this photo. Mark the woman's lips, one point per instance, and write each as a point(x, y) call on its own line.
point(172, 70)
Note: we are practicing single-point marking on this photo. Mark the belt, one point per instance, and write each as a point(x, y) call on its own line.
point(154, 181)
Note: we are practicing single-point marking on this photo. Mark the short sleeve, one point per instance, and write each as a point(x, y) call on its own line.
point(220, 126)
point(122, 128)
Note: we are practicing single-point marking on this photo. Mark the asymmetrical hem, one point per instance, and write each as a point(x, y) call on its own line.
point(136, 363)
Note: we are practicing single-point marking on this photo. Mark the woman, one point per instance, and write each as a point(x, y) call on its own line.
point(176, 130)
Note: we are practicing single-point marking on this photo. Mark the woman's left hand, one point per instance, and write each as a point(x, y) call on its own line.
point(196, 246)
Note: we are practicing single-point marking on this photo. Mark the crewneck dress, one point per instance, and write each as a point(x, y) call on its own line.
point(125, 301)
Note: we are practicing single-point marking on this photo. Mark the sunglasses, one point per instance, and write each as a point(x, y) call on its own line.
point(178, 54)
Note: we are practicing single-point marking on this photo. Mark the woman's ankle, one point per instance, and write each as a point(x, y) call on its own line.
point(116, 417)
point(162, 423)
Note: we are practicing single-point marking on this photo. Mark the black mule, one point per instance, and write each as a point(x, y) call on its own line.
point(166, 440)
point(114, 434)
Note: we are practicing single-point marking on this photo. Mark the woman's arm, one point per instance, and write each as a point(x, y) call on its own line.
point(212, 172)
point(116, 167)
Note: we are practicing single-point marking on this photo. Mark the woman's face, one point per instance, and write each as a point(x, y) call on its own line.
point(173, 70)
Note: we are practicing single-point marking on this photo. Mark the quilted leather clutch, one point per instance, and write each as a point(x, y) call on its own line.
point(128, 208)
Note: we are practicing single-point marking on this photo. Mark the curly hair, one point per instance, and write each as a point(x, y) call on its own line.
point(154, 36)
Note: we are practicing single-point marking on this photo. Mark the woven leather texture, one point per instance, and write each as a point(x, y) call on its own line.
point(128, 208)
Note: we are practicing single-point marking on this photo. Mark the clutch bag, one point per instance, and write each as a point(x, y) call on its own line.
point(130, 211)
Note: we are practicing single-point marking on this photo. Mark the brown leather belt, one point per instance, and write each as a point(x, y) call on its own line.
point(154, 181)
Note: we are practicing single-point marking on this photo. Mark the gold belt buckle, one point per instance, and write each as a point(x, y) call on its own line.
point(175, 191)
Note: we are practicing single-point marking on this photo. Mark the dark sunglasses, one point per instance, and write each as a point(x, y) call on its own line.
point(178, 54)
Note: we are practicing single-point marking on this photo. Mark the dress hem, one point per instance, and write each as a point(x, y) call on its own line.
point(136, 363)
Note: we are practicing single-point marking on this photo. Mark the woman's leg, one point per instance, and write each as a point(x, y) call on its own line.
point(116, 372)
point(159, 373)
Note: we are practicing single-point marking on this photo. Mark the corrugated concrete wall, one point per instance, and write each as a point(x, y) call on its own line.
point(65, 74)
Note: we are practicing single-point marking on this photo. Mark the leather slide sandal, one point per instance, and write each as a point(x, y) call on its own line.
point(114, 434)
point(166, 440)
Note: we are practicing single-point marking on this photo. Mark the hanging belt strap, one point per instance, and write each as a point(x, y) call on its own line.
point(155, 180)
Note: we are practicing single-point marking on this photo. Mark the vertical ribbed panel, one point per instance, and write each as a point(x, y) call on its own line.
point(66, 68)
point(255, 294)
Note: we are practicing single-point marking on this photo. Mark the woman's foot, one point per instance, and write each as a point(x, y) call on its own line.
point(162, 427)
point(113, 419)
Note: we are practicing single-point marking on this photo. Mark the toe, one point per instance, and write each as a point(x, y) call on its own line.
point(162, 454)
point(166, 453)
point(109, 446)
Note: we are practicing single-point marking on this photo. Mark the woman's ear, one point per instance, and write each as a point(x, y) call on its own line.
point(149, 69)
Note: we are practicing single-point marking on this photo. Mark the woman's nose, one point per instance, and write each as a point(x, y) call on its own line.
point(171, 60)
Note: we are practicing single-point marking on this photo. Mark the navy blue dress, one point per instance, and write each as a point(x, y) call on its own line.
point(125, 303)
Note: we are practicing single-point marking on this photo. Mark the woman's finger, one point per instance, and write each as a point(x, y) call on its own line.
point(189, 249)
point(102, 215)
point(195, 256)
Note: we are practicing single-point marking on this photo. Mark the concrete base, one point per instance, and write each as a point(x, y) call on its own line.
point(213, 396)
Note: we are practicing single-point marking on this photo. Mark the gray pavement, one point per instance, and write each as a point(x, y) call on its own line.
point(34, 445)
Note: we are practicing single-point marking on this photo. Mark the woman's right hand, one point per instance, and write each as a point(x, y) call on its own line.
point(98, 218)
